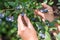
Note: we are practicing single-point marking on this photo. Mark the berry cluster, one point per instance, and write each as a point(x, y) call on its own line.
point(2, 16)
point(10, 19)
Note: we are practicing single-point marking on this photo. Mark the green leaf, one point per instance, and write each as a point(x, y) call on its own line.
point(58, 21)
point(24, 0)
point(46, 28)
point(50, 3)
point(45, 1)
point(58, 0)
point(47, 36)
point(6, 5)
point(13, 4)
point(58, 36)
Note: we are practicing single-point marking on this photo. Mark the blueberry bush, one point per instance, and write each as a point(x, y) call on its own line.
point(9, 11)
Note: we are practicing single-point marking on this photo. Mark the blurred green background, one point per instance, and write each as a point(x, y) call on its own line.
point(9, 11)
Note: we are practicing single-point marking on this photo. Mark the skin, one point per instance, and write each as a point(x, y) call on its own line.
point(48, 16)
point(28, 32)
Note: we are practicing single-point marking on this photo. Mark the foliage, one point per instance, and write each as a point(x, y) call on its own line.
point(9, 11)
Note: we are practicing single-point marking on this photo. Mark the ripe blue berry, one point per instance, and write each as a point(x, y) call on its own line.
point(33, 19)
point(10, 19)
point(19, 7)
point(22, 14)
point(44, 10)
point(1, 15)
point(42, 35)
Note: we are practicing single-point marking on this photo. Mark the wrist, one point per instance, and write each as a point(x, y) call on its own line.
point(32, 38)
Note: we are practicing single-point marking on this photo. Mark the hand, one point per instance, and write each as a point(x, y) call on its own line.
point(46, 16)
point(26, 32)
point(58, 27)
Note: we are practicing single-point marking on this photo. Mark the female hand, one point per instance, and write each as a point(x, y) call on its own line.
point(26, 32)
point(46, 16)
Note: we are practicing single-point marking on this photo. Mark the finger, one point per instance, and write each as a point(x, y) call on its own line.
point(28, 22)
point(43, 20)
point(45, 5)
point(40, 14)
point(20, 23)
point(50, 10)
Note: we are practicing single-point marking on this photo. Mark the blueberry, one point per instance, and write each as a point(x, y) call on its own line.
point(0, 21)
point(44, 10)
point(42, 35)
point(33, 19)
point(1, 15)
point(22, 14)
point(19, 7)
point(10, 19)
